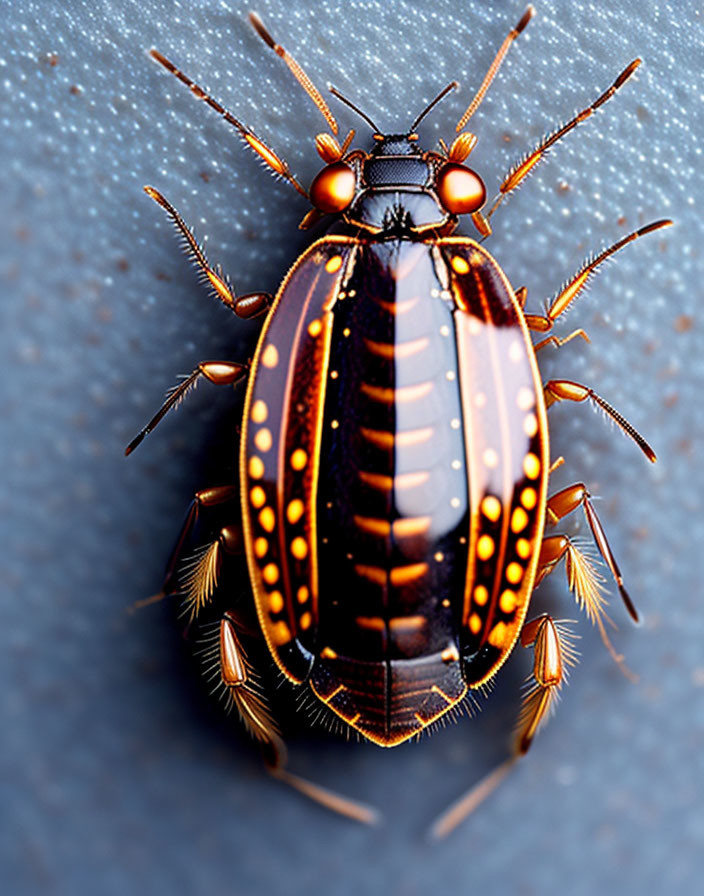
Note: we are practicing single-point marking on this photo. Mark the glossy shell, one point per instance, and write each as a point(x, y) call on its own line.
point(394, 464)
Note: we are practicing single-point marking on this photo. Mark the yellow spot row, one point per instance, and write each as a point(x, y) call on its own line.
point(270, 356)
point(459, 264)
point(531, 466)
point(299, 459)
point(294, 511)
point(485, 547)
point(256, 467)
point(263, 439)
point(491, 508)
point(508, 601)
point(259, 411)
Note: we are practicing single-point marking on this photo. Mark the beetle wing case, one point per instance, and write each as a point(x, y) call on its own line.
point(387, 416)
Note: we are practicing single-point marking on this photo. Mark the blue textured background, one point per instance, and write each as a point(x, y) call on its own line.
point(116, 776)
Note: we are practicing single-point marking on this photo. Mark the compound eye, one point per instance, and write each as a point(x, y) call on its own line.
point(461, 191)
point(333, 189)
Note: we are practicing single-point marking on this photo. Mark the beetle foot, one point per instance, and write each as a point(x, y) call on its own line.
point(553, 653)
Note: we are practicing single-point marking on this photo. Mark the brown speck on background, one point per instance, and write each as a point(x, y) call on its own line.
point(667, 372)
point(683, 323)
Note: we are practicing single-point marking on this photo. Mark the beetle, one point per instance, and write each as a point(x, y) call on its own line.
point(392, 502)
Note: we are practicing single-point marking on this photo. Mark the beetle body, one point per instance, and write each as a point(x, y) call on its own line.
point(393, 457)
point(394, 452)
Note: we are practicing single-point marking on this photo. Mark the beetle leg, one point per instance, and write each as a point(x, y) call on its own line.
point(559, 341)
point(566, 390)
point(202, 502)
point(470, 801)
point(196, 561)
point(553, 653)
point(337, 803)
point(223, 655)
point(569, 499)
point(585, 582)
point(200, 573)
point(558, 462)
point(250, 139)
point(562, 301)
point(519, 172)
point(482, 224)
point(222, 373)
point(226, 662)
point(243, 306)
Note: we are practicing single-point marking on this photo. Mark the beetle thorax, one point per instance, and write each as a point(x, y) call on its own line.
point(395, 190)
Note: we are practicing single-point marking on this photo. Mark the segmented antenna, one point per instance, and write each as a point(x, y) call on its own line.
point(495, 66)
point(453, 85)
point(343, 99)
point(298, 73)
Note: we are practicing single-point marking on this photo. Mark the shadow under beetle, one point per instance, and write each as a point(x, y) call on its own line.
point(394, 454)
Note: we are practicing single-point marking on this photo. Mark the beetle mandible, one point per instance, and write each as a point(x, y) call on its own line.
point(394, 454)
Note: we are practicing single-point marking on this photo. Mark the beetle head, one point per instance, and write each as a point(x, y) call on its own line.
point(397, 187)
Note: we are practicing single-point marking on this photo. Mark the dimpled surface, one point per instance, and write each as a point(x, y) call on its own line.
point(116, 775)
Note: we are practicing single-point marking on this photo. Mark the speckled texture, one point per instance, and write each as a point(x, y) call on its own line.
point(116, 776)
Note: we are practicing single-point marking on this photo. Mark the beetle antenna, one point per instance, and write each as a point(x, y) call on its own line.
point(343, 99)
point(495, 66)
point(265, 153)
point(453, 85)
point(296, 71)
